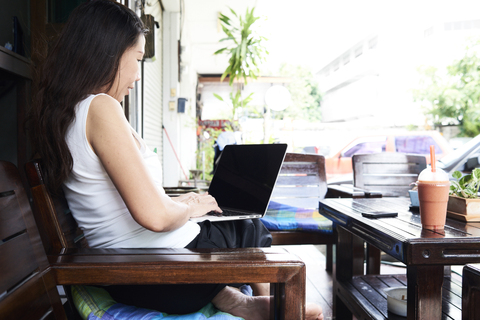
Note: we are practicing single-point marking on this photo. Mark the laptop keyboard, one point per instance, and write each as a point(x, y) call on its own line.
point(225, 213)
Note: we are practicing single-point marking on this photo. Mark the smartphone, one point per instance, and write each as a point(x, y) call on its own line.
point(379, 214)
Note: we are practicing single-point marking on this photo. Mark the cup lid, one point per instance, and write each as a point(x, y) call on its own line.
point(437, 175)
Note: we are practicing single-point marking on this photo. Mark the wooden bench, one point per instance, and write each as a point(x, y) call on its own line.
point(388, 174)
point(27, 285)
point(471, 292)
point(68, 263)
point(302, 183)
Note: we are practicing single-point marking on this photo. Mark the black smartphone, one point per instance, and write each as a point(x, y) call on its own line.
point(379, 214)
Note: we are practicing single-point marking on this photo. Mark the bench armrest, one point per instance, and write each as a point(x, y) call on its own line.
point(174, 266)
point(283, 270)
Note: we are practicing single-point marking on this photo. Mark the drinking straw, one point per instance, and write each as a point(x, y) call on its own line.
point(432, 157)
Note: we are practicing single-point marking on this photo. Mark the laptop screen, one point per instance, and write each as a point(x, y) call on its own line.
point(246, 175)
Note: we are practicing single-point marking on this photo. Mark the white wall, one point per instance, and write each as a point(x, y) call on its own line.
point(179, 148)
point(153, 94)
point(171, 34)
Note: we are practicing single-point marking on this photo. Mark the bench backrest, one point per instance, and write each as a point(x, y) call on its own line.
point(57, 226)
point(27, 286)
point(302, 181)
point(388, 172)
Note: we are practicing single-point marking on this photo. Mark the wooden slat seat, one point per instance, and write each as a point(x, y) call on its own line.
point(365, 294)
point(301, 184)
point(390, 173)
point(27, 286)
point(72, 263)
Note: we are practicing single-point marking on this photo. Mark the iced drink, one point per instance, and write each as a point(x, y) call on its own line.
point(433, 187)
point(433, 198)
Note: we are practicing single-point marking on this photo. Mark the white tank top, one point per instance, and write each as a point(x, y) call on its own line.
point(96, 204)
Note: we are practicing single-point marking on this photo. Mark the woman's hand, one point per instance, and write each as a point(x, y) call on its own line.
point(200, 204)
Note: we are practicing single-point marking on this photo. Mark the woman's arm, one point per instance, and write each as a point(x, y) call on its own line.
point(110, 137)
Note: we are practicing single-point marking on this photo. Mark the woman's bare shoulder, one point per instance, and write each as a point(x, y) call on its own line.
point(103, 110)
point(105, 119)
point(104, 103)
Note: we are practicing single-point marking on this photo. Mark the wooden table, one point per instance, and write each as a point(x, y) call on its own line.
point(424, 252)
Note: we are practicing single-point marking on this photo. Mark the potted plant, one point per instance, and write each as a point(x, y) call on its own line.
point(246, 51)
point(464, 202)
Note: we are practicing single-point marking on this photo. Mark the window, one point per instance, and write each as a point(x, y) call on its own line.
point(428, 32)
point(336, 65)
point(416, 144)
point(372, 44)
point(366, 147)
point(358, 51)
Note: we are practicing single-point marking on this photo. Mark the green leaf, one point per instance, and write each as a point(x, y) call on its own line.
point(225, 39)
point(224, 75)
point(247, 48)
point(476, 173)
point(232, 11)
point(457, 174)
point(218, 97)
point(224, 19)
point(465, 180)
point(220, 51)
point(454, 185)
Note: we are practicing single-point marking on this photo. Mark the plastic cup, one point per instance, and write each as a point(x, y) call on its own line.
point(433, 188)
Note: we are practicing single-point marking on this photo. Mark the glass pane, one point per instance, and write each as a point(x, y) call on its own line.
point(416, 144)
point(366, 147)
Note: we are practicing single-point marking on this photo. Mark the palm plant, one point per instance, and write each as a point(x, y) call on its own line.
point(245, 49)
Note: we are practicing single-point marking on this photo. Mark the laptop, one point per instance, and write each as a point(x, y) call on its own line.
point(244, 179)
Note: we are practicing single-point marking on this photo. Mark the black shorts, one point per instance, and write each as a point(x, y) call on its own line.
point(188, 298)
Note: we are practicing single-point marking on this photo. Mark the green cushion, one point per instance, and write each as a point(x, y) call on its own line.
point(94, 303)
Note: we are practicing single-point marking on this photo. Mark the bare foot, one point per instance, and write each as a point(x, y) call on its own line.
point(313, 312)
point(255, 308)
point(238, 304)
point(260, 289)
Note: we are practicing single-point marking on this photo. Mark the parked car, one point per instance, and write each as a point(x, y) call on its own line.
point(339, 165)
point(464, 159)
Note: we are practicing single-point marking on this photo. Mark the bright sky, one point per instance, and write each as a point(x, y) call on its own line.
point(317, 31)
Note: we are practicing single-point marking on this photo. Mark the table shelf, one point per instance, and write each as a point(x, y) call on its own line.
point(364, 297)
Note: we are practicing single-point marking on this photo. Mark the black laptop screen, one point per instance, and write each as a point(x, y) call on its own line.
point(246, 174)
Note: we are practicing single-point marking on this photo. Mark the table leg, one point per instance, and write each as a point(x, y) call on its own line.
point(424, 295)
point(373, 259)
point(349, 252)
point(350, 255)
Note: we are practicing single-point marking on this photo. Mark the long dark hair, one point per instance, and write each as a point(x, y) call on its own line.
point(84, 60)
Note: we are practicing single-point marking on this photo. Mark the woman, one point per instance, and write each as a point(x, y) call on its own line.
point(111, 180)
